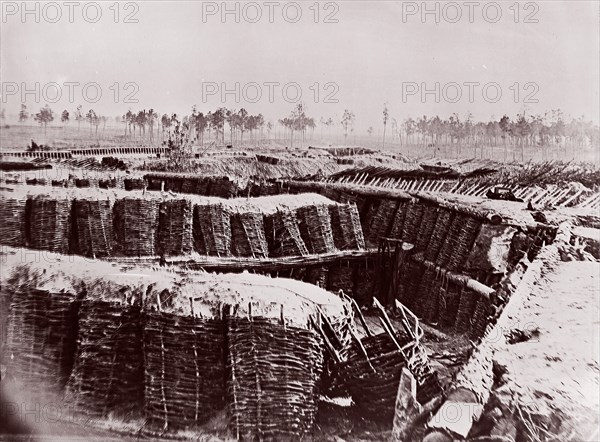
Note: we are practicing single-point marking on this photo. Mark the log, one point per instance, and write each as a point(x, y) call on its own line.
point(457, 278)
point(484, 215)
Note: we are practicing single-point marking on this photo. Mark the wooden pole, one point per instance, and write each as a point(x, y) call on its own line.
point(401, 253)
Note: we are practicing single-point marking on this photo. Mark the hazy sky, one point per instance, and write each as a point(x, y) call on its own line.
point(176, 51)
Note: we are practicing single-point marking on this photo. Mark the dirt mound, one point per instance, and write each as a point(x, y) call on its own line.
point(550, 379)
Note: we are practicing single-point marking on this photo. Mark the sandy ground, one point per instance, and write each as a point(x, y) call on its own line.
point(553, 377)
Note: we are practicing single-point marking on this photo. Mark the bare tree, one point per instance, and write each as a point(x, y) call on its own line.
point(244, 123)
point(386, 115)
point(78, 117)
point(23, 114)
point(151, 117)
point(347, 122)
point(91, 118)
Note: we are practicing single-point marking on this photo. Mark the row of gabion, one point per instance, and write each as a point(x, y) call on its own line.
point(444, 238)
point(221, 187)
point(438, 300)
point(112, 357)
point(150, 227)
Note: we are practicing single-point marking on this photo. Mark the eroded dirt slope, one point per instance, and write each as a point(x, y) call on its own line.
point(551, 374)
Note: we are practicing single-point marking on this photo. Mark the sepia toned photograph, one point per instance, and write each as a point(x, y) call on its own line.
point(300, 221)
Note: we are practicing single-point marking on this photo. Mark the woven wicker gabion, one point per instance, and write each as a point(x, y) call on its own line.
point(283, 234)
point(426, 304)
point(412, 222)
point(12, 220)
point(346, 227)
point(465, 310)
point(365, 283)
point(410, 285)
point(332, 193)
point(206, 185)
point(450, 241)
point(317, 275)
point(274, 372)
point(82, 182)
point(223, 188)
point(315, 228)
point(430, 214)
point(184, 359)
point(175, 220)
point(464, 243)
point(438, 235)
point(135, 222)
point(201, 186)
point(107, 376)
point(93, 227)
point(373, 381)
point(41, 337)
point(6, 294)
point(248, 235)
point(480, 319)
point(187, 186)
point(449, 300)
point(372, 378)
point(398, 221)
point(107, 183)
point(49, 223)
point(212, 229)
point(341, 277)
point(133, 183)
point(379, 221)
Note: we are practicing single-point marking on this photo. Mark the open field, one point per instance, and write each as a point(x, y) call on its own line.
point(18, 136)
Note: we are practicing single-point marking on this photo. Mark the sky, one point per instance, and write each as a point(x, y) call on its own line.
point(356, 55)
